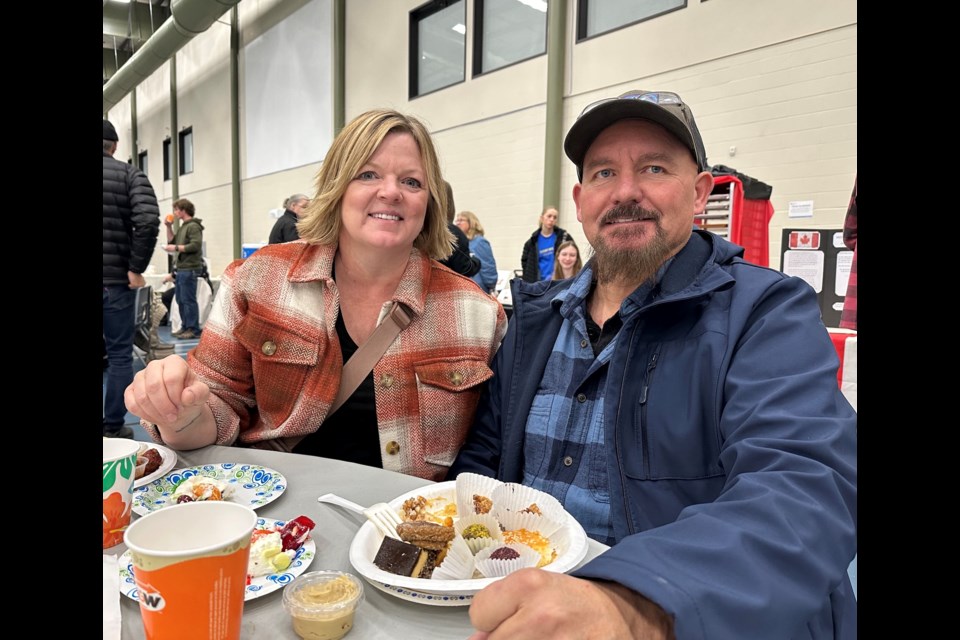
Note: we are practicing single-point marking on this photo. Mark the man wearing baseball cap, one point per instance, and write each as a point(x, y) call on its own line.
point(683, 406)
point(131, 221)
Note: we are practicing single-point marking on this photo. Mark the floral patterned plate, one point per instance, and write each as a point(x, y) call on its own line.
point(253, 485)
point(259, 586)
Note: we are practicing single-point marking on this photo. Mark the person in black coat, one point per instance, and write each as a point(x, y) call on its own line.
point(540, 251)
point(285, 228)
point(460, 260)
point(131, 222)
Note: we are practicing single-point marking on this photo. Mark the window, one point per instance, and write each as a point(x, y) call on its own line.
point(437, 45)
point(599, 16)
point(186, 151)
point(167, 160)
point(507, 31)
point(142, 162)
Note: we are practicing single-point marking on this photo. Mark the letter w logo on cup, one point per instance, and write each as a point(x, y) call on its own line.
point(190, 564)
point(151, 600)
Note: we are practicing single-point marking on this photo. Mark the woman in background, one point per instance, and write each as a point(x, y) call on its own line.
point(568, 263)
point(480, 247)
point(286, 319)
point(540, 250)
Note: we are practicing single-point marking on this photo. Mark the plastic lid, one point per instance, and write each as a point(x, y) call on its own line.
point(322, 592)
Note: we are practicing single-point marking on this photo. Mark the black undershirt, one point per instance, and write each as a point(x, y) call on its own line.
point(351, 433)
point(600, 338)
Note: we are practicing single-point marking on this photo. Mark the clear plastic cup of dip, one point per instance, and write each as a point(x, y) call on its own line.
point(322, 604)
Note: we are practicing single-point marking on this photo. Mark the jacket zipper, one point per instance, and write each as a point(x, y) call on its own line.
point(644, 438)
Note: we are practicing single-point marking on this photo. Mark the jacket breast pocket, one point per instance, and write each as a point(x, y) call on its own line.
point(280, 358)
point(447, 392)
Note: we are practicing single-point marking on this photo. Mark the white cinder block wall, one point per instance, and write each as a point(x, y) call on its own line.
point(776, 80)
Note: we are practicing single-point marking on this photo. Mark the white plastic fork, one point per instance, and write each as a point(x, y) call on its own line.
point(382, 515)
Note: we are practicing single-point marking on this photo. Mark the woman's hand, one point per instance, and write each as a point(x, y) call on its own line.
point(169, 394)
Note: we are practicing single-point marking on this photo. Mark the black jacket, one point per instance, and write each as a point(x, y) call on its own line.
point(285, 228)
point(460, 260)
point(530, 259)
point(131, 220)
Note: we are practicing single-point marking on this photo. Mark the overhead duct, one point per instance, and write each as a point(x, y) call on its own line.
point(188, 18)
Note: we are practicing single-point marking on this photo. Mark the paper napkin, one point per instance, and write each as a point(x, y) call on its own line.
point(111, 598)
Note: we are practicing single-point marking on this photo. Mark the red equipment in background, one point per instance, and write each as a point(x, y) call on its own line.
point(739, 209)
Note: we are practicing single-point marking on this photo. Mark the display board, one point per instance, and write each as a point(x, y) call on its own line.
point(819, 257)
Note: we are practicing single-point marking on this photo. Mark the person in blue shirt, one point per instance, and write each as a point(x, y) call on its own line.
point(681, 403)
point(540, 250)
point(468, 222)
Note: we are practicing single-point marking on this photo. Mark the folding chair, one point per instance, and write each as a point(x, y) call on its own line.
point(142, 323)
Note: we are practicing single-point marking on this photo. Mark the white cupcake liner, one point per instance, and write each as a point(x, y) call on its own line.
point(487, 520)
point(458, 564)
point(436, 509)
point(470, 484)
point(511, 500)
point(491, 568)
point(546, 550)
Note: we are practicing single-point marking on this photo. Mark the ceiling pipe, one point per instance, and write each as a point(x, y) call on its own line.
point(188, 18)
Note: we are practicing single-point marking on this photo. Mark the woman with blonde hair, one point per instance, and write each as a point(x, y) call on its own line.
point(568, 263)
point(268, 368)
point(480, 247)
point(540, 250)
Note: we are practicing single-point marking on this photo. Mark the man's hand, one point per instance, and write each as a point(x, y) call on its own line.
point(169, 247)
point(136, 280)
point(533, 603)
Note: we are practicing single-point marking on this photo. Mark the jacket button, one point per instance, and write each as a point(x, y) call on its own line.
point(581, 397)
point(392, 448)
point(567, 461)
point(583, 343)
point(456, 378)
point(386, 381)
point(268, 348)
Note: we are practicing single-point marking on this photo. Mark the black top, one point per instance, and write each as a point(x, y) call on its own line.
point(285, 228)
point(351, 433)
point(460, 260)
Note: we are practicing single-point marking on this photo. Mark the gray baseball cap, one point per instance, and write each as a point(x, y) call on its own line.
point(661, 107)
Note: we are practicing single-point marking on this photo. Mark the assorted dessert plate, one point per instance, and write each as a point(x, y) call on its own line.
point(365, 544)
point(259, 586)
point(253, 485)
point(168, 460)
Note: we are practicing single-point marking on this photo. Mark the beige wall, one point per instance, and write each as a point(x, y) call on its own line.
point(262, 194)
point(777, 80)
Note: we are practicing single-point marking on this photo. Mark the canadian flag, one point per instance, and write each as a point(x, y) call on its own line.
point(804, 240)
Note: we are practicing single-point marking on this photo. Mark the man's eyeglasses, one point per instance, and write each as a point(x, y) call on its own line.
point(663, 98)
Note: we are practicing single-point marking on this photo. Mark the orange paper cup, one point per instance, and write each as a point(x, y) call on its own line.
point(190, 566)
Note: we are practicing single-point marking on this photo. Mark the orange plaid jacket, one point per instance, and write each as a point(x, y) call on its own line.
point(272, 359)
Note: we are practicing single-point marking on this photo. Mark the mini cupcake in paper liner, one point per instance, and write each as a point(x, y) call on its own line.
point(479, 531)
point(458, 563)
point(475, 492)
point(543, 545)
point(504, 559)
point(519, 507)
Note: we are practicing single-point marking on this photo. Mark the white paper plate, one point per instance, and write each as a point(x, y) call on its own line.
point(168, 460)
point(259, 586)
point(253, 485)
point(365, 544)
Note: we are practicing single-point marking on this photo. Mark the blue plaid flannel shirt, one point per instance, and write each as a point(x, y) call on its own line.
point(564, 452)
